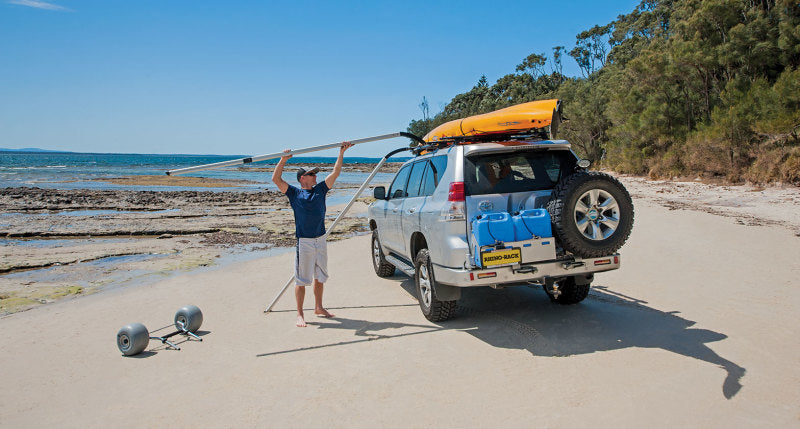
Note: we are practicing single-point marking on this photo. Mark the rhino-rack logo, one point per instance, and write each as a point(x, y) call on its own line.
point(494, 258)
point(509, 256)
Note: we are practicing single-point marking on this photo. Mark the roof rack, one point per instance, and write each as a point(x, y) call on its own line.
point(533, 134)
point(431, 146)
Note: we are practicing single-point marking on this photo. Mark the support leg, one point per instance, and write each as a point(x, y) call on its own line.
point(280, 294)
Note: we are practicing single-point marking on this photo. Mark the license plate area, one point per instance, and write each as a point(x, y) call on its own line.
point(493, 258)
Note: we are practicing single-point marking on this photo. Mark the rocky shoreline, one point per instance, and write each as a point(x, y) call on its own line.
point(60, 243)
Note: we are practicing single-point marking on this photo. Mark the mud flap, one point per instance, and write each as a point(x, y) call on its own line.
point(447, 292)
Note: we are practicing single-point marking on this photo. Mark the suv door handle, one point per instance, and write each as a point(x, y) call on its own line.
point(412, 210)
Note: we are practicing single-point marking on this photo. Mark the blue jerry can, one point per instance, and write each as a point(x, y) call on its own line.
point(530, 223)
point(493, 227)
point(488, 229)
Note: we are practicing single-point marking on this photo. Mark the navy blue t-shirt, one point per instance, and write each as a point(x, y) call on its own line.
point(309, 209)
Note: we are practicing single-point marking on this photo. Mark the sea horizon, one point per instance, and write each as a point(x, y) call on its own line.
point(37, 151)
point(78, 170)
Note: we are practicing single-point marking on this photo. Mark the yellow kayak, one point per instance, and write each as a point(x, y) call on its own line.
point(517, 118)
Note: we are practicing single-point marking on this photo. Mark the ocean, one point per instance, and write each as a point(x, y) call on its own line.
point(61, 170)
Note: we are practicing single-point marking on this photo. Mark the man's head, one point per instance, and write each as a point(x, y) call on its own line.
point(307, 178)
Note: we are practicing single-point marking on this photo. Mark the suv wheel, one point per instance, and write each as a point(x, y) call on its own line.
point(382, 268)
point(569, 292)
point(592, 214)
point(433, 309)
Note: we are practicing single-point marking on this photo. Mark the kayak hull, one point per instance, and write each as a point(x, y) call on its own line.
point(517, 118)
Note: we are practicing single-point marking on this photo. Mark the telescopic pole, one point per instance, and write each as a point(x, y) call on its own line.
point(341, 215)
point(290, 153)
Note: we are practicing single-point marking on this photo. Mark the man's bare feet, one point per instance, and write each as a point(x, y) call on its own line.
point(301, 322)
point(321, 312)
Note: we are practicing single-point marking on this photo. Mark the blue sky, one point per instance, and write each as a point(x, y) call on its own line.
point(242, 77)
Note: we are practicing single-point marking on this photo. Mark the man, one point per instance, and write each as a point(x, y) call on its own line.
point(308, 204)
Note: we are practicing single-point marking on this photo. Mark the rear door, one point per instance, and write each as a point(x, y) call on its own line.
point(512, 181)
point(391, 234)
point(435, 231)
point(412, 204)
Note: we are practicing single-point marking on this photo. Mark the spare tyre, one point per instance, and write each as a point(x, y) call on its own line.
point(592, 214)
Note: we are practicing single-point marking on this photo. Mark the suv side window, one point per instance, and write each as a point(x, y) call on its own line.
point(428, 181)
point(415, 179)
point(434, 171)
point(398, 187)
point(439, 165)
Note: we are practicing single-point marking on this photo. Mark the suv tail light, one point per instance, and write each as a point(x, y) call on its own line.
point(454, 209)
point(457, 192)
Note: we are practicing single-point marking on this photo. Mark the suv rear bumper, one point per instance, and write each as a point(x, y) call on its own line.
point(528, 273)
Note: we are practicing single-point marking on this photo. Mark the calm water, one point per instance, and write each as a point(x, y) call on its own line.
point(80, 170)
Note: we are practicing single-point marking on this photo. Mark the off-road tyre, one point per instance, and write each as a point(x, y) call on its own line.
point(580, 199)
point(382, 268)
point(432, 308)
point(571, 293)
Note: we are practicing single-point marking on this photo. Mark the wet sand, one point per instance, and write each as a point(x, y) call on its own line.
point(57, 244)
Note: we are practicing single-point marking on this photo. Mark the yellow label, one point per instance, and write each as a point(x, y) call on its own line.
point(511, 256)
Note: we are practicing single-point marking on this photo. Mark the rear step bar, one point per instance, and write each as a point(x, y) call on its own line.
point(401, 265)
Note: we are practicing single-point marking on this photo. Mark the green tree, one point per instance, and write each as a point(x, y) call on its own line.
point(533, 64)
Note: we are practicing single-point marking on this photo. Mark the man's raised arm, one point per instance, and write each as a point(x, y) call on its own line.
point(337, 168)
point(277, 177)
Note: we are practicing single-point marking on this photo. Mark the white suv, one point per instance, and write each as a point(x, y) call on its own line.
point(498, 214)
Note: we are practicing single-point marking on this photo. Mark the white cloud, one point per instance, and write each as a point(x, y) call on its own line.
point(38, 4)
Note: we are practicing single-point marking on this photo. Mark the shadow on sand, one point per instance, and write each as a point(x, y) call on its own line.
point(524, 318)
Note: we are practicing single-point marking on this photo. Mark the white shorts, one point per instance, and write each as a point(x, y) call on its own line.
point(311, 261)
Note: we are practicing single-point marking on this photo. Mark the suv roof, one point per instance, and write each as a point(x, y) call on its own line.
point(515, 145)
point(471, 147)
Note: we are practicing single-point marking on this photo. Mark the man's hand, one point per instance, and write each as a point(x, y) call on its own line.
point(286, 158)
point(345, 146)
point(337, 168)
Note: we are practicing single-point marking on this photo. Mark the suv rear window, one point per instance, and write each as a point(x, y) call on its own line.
point(501, 173)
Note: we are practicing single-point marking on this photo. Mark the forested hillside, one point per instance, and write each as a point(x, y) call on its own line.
point(674, 88)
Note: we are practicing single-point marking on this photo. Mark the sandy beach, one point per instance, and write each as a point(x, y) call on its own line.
point(697, 328)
